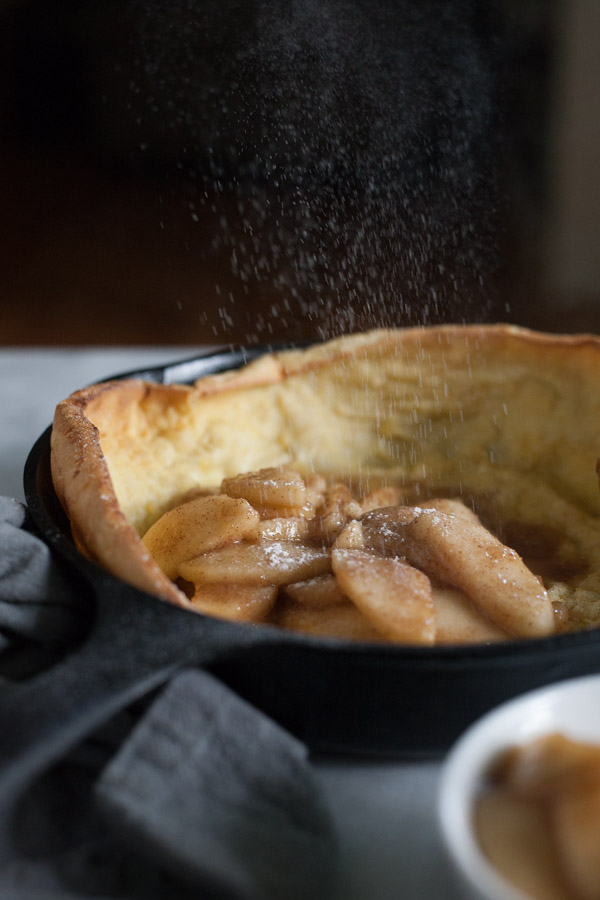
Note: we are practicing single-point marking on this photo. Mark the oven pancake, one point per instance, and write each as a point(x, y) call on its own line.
point(502, 419)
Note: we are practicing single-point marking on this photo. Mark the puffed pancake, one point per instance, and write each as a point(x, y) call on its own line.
point(430, 485)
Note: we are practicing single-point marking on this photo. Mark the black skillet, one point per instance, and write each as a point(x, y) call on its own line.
point(339, 697)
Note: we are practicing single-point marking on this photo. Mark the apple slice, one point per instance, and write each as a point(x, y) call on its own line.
point(267, 562)
point(394, 596)
point(198, 526)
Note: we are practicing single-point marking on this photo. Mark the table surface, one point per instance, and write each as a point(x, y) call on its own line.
point(385, 812)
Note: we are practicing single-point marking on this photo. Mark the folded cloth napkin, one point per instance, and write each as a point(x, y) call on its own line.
point(40, 602)
point(193, 792)
point(223, 792)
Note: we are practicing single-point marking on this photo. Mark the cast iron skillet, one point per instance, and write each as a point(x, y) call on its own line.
point(339, 697)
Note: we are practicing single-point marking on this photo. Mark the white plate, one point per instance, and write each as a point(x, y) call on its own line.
point(572, 707)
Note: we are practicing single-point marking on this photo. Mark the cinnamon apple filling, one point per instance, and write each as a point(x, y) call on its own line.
point(273, 547)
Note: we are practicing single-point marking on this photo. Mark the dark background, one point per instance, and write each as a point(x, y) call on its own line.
point(186, 172)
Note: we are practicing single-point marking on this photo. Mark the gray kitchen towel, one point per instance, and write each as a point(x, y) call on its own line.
point(222, 792)
point(192, 792)
point(38, 599)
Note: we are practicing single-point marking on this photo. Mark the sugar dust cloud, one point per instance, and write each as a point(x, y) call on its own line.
point(348, 154)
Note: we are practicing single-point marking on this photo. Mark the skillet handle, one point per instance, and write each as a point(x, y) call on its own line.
point(135, 644)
